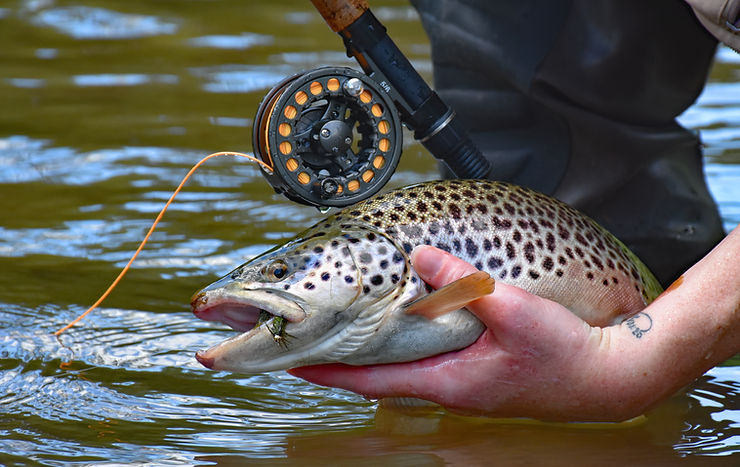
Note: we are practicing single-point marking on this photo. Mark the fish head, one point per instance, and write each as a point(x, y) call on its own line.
point(294, 305)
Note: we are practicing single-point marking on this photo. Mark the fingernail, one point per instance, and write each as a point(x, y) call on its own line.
point(427, 261)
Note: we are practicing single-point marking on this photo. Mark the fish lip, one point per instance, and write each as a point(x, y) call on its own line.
point(241, 310)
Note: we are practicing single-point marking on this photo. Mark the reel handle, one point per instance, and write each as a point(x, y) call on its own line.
point(422, 110)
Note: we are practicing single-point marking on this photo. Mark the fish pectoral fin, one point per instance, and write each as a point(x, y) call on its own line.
point(453, 296)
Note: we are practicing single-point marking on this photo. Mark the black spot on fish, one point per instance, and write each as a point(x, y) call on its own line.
point(580, 239)
point(348, 279)
point(590, 276)
point(325, 276)
point(478, 265)
point(605, 282)
point(501, 223)
point(309, 285)
point(366, 258)
point(397, 257)
point(517, 236)
point(437, 206)
point(510, 251)
point(382, 251)
point(384, 264)
point(376, 279)
point(370, 236)
point(510, 209)
point(455, 211)
point(433, 228)
point(395, 278)
point(563, 232)
point(497, 242)
point(495, 263)
point(366, 289)
point(444, 246)
point(516, 271)
point(421, 206)
point(456, 245)
point(534, 274)
point(412, 216)
point(338, 264)
point(487, 244)
point(455, 196)
point(550, 239)
point(529, 252)
point(407, 248)
point(394, 217)
point(470, 247)
point(559, 273)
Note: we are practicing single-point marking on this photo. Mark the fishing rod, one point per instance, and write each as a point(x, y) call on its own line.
point(332, 136)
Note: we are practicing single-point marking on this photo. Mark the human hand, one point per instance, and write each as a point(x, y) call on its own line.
point(536, 359)
point(531, 361)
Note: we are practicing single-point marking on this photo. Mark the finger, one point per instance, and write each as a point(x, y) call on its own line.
point(437, 267)
point(423, 378)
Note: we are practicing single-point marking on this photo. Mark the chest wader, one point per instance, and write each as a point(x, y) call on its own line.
point(578, 99)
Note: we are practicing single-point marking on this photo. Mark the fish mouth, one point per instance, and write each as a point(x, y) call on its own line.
point(245, 311)
point(250, 312)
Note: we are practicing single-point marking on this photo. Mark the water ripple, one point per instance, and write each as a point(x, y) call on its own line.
point(82, 22)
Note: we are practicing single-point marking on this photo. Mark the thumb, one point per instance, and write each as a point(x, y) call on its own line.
point(437, 267)
point(510, 312)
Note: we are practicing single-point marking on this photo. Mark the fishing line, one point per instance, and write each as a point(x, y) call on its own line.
point(151, 229)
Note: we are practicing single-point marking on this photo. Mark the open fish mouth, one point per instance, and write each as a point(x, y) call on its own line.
point(253, 313)
point(244, 313)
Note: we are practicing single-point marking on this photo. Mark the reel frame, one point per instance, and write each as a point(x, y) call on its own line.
point(332, 137)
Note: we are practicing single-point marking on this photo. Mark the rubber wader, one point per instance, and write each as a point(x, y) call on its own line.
point(578, 99)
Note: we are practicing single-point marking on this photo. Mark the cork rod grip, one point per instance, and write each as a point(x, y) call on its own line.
point(340, 13)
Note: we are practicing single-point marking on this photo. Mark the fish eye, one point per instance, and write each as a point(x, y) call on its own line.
point(276, 270)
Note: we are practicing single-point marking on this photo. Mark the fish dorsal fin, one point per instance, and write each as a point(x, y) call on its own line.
point(453, 296)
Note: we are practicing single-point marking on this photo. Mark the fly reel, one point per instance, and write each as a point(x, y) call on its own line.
point(332, 137)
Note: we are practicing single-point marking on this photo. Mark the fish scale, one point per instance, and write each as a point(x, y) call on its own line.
point(348, 278)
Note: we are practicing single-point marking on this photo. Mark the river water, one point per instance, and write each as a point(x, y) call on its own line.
point(104, 105)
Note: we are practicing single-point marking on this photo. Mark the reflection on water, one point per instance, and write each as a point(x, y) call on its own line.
point(105, 107)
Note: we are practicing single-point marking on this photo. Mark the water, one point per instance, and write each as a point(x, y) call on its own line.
point(105, 105)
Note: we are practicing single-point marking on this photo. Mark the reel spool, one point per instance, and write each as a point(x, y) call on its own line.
point(332, 137)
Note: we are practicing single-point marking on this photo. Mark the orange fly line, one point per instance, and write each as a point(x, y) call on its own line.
point(151, 229)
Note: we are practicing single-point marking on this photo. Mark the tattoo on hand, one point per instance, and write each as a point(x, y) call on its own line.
point(639, 324)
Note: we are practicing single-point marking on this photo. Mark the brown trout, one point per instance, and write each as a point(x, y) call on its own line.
point(338, 291)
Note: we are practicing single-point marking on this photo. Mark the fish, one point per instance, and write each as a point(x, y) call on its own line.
point(344, 290)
